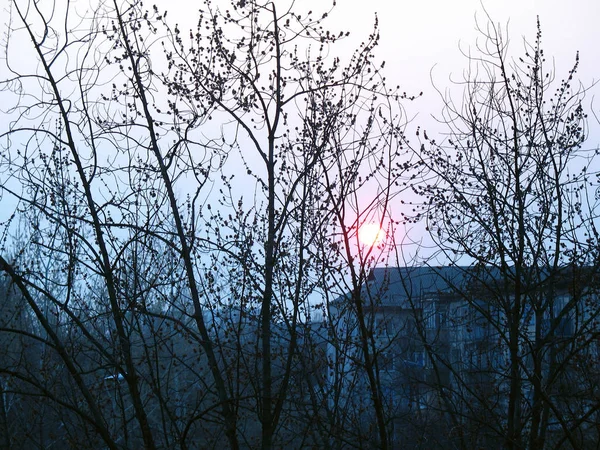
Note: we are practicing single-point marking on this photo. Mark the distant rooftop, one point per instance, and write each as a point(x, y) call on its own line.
point(398, 285)
point(401, 286)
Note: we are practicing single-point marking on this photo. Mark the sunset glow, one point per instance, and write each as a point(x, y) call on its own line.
point(370, 234)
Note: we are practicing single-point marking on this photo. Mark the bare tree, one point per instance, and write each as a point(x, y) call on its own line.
point(307, 129)
point(510, 194)
point(180, 198)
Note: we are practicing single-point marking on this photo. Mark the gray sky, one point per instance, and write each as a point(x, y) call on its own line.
point(420, 39)
point(418, 34)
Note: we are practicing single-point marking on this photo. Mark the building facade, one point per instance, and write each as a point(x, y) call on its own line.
point(475, 352)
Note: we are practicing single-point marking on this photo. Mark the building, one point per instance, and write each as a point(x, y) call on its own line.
point(471, 345)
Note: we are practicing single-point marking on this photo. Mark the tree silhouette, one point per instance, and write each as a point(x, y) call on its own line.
point(510, 194)
point(179, 196)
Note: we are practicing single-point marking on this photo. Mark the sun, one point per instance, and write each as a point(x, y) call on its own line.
point(370, 234)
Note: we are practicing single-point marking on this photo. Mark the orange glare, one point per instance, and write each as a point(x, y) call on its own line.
point(370, 234)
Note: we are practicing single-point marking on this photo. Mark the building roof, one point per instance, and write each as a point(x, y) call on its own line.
point(406, 287)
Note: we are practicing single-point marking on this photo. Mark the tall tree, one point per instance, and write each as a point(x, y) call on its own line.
point(313, 135)
point(510, 193)
point(176, 189)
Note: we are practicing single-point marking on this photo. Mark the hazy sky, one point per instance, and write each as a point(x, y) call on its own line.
point(420, 38)
point(420, 34)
